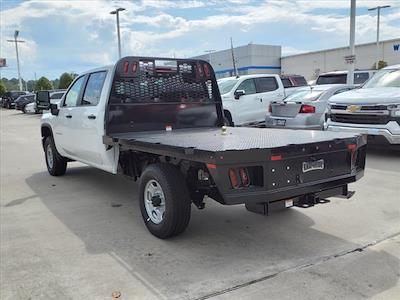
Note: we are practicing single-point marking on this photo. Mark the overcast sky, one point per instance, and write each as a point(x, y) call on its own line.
point(78, 35)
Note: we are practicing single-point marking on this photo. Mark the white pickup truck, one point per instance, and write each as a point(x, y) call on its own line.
point(246, 98)
point(160, 120)
point(373, 109)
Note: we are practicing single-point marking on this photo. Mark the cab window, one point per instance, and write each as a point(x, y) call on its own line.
point(248, 86)
point(72, 97)
point(94, 85)
point(266, 84)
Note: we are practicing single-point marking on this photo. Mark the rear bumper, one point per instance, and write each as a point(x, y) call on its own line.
point(302, 121)
point(321, 188)
point(369, 130)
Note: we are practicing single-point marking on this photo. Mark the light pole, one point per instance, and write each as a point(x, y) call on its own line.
point(350, 74)
point(16, 33)
point(116, 12)
point(378, 9)
point(209, 55)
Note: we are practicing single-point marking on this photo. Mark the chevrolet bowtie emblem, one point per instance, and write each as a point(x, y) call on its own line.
point(353, 108)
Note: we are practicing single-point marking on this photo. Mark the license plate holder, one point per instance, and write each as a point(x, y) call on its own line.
point(279, 122)
point(313, 165)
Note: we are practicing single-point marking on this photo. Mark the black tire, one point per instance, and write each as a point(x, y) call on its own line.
point(177, 200)
point(59, 165)
point(23, 109)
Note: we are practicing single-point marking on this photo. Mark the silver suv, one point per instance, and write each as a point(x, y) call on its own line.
point(373, 109)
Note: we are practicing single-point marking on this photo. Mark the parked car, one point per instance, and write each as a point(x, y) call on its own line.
point(23, 100)
point(291, 83)
point(246, 98)
point(340, 77)
point(373, 109)
point(31, 108)
point(305, 108)
point(9, 98)
point(144, 118)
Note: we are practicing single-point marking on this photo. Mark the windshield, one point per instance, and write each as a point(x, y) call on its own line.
point(226, 85)
point(307, 95)
point(384, 78)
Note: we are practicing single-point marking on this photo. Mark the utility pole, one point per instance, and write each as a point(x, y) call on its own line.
point(352, 57)
point(209, 54)
point(378, 9)
point(233, 60)
point(16, 51)
point(116, 12)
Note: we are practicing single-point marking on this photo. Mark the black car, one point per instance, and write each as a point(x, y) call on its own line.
point(23, 100)
point(9, 98)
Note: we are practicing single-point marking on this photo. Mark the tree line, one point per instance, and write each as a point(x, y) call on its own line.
point(43, 83)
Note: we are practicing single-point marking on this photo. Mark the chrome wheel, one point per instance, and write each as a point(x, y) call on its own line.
point(49, 156)
point(154, 201)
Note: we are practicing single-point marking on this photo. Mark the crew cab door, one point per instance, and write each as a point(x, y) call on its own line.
point(268, 90)
point(64, 135)
point(246, 106)
point(88, 124)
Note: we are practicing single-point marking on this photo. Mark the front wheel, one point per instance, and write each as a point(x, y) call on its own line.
point(164, 200)
point(56, 164)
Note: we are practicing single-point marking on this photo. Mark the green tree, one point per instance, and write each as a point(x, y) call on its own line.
point(65, 80)
point(43, 84)
point(3, 89)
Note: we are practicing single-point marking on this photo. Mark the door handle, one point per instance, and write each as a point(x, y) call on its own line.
point(91, 117)
point(68, 116)
point(260, 99)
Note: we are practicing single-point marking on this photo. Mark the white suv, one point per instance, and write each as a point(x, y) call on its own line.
point(373, 109)
point(246, 98)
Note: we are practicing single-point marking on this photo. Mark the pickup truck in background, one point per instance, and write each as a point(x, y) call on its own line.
point(340, 77)
point(373, 109)
point(246, 98)
point(158, 120)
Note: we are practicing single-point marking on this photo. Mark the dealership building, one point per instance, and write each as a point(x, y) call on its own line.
point(255, 59)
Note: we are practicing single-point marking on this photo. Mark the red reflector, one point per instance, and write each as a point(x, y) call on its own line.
point(233, 178)
point(244, 176)
point(307, 109)
point(352, 147)
point(126, 67)
point(211, 166)
point(134, 67)
point(206, 70)
point(276, 157)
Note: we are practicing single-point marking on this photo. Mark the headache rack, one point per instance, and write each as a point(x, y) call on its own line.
point(154, 93)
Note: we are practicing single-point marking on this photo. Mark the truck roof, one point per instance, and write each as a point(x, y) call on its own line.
point(392, 67)
point(249, 76)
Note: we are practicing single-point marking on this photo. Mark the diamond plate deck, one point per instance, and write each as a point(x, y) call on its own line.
point(236, 138)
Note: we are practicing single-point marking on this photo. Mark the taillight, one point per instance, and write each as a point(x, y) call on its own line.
point(244, 176)
point(307, 109)
point(270, 108)
point(234, 179)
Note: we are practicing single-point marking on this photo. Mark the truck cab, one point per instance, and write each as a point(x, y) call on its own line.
point(373, 109)
point(246, 98)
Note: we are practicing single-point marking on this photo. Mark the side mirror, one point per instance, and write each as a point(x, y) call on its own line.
point(42, 100)
point(239, 93)
point(54, 109)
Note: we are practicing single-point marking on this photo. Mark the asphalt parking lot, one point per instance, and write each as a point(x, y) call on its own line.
point(81, 236)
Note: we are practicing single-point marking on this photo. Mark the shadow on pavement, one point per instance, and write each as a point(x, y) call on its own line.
point(223, 246)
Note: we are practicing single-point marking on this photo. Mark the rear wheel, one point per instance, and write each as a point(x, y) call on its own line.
point(56, 164)
point(164, 200)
